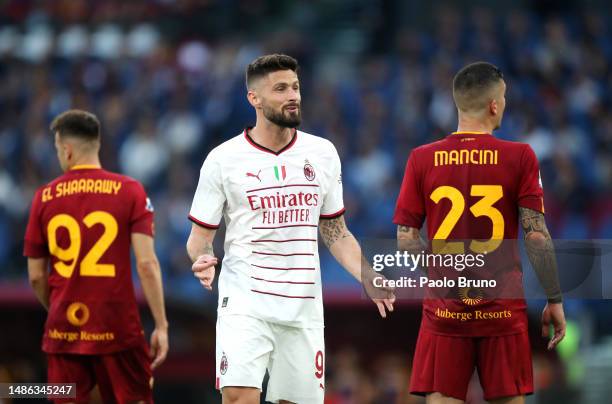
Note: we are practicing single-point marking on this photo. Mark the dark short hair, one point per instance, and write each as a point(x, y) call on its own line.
point(266, 64)
point(77, 123)
point(472, 83)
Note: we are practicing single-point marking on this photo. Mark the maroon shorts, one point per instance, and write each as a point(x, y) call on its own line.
point(445, 364)
point(122, 377)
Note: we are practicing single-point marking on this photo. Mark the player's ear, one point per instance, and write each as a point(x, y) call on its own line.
point(253, 98)
point(68, 150)
point(493, 107)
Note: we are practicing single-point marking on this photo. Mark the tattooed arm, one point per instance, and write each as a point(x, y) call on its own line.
point(409, 239)
point(541, 252)
point(345, 248)
point(342, 244)
point(200, 250)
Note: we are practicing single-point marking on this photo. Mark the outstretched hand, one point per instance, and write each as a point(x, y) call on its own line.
point(204, 269)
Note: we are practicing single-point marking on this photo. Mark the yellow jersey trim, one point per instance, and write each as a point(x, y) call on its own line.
point(470, 133)
point(84, 167)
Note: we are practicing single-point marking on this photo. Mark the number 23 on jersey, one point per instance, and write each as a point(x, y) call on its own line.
point(484, 207)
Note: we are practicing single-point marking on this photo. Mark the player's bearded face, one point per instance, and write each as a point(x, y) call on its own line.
point(281, 99)
point(286, 116)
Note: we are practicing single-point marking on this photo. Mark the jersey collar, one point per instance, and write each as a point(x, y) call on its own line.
point(85, 167)
point(470, 133)
point(265, 149)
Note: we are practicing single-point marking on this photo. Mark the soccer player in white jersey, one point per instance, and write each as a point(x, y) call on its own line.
point(274, 186)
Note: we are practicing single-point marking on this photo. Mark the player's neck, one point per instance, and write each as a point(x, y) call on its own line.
point(87, 161)
point(271, 136)
point(474, 125)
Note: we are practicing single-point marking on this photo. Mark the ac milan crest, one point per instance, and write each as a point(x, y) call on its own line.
point(223, 366)
point(309, 172)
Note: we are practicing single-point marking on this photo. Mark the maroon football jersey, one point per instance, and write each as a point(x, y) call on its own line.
point(469, 187)
point(83, 221)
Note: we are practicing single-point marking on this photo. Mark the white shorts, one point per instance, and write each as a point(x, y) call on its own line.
point(294, 358)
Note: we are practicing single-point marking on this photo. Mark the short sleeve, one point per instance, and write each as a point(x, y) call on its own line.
point(333, 201)
point(141, 220)
point(409, 209)
point(35, 245)
point(530, 193)
point(209, 198)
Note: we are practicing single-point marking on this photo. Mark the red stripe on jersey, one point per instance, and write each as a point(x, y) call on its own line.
point(290, 282)
point(283, 241)
point(333, 215)
point(285, 226)
point(280, 255)
point(279, 295)
point(283, 186)
point(285, 269)
point(203, 224)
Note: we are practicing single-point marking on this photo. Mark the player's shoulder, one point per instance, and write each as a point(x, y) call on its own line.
point(227, 149)
point(41, 189)
point(127, 182)
point(515, 148)
point(322, 144)
point(425, 150)
point(511, 143)
point(53, 182)
point(66, 176)
point(126, 179)
point(429, 147)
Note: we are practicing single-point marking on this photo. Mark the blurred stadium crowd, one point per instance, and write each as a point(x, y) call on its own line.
point(166, 79)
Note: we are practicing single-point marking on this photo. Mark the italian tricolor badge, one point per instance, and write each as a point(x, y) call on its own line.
point(280, 173)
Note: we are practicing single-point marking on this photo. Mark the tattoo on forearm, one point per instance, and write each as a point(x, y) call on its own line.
point(207, 249)
point(541, 252)
point(333, 230)
point(532, 220)
point(409, 239)
point(195, 252)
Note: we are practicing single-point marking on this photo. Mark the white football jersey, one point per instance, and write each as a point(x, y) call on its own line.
point(271, 203)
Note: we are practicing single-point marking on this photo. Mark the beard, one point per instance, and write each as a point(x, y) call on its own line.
point(283, 118)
